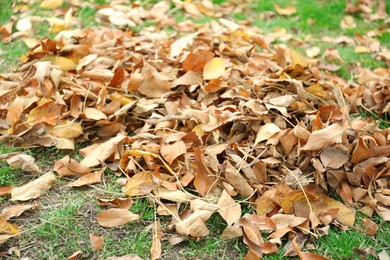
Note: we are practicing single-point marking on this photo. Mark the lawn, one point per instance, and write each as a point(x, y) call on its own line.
point(341, 42)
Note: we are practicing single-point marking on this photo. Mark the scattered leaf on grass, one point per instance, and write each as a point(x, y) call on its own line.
point(8, 228)
point(87, 179)
point(35, 188)
point(289, 10)
point(115, 217)
point(23, 161)
point(16, 210)
point(97, 243)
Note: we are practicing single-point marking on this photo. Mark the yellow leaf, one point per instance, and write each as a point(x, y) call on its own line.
point(67, 129)
point(140, 184)
point(51, 4)
point(7, 228)
point(63, 63)
point(215, 68)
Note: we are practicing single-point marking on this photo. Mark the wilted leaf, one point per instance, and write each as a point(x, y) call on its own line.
point(75, 256)
point(215, 68)
point(197, 61)
point(155, 250)
point(87, 179)
point(306, 255)
point(140, 184)
point(171, 151)
point(204, 180)
point(324, 137)
point(97, 243)
point(123, 203)
point(153, 85)
point(194, 225)
point(102, 152)
point(69, 167)
point(16, 210)
point(266, 131)
point(67, 129)
point(179, 45)
point(23, 161)
point(334, 157)
point(115, 217)
point(8, 228)
point(370, 226)
point(173, 195)
point(35, 188)
point(228, 208)
point(94, 114)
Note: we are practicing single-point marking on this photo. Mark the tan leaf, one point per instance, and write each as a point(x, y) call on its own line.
point(228, 208)
point(155, 250)
point(214, 68)
point(35, 188)
point(122, 203)
point(23, 161)
point(16, 210)
point(194, 224)
point(75, 256)
point(24, 24)
point(154, 84)
point(173, 195)
point(204, 180)
point(115, 217)
point(289, 10)
point(370, 226)
point(235, 178)
point(140, 184)
point(179, 45)
point(69, 167)
point(231, 232)
point(103, 151)
point(171, 151)
point(87, 179)
point(94, 114)
point(324, 137)
point(125, 257)
point(97, 243)
point(334, 157)
point(347, 22)
point(306, 255)
point(8, 228)
point(266, 131)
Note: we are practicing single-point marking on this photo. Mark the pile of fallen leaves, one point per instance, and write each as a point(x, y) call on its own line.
point(212, 117)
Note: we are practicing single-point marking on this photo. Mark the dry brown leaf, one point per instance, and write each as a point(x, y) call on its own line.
point(228, 208)
point(102, 152)
point(23, 161)
point(69, 167)
point(140, 184)
point(87, 179)
point(171, 151)
point(115, 217)
point(16, 210)
point(266, 131)
point(155, 250)
point(35, 188)
point(370, 227)
point(204, 180)
point(194, 225)
point(231, 232)
point(306, 255)
point(334, 157)
point(122, 203)
point(97, 243)
point(324, 137)
point(125, 257)
point(67, 129)
point(197, 61)
point(154, 84)
point(75, 256)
